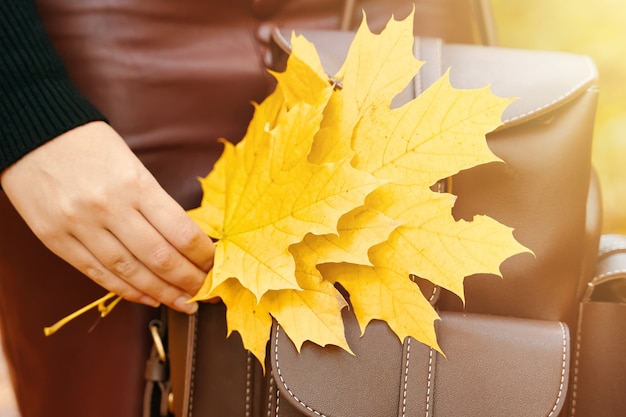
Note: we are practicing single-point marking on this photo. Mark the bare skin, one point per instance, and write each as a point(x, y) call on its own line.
point(91, 201)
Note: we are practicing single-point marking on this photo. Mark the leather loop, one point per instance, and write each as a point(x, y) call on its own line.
point(157, 376)
point(609, 281)
point(600, 365)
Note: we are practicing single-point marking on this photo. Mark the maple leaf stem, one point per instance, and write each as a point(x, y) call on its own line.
point(105, 308)
point(99, 303)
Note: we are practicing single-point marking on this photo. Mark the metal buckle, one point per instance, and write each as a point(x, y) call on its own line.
point(155, 327)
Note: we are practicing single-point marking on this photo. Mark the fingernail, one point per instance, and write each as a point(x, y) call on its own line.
point(149, 301)
point(183, 304)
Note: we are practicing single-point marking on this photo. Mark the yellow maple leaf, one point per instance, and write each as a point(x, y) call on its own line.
point(430, 138)
point(434, 245)
point(210, 215)
point(277, 196)
point(331, 186)
point(404, 227)
point(317, 303)
point(434, 136)
point(381, 293)
point(312, 313)
point(357, 231)
point(377, 67)
point(245, 315)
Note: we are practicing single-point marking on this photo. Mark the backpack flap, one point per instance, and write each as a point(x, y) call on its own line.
point(494, 366)
point(540, 80)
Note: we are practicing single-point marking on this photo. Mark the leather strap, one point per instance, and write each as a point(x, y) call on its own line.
point(159, 397)
point(600, 361)
point(157, 391)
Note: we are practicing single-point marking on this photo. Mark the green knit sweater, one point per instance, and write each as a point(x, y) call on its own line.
point(37, 100)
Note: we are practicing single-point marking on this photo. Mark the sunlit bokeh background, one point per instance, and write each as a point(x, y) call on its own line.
point(596, 28)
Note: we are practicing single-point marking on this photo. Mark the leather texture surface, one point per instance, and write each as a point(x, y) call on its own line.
point(219, 377)
point(494, 366)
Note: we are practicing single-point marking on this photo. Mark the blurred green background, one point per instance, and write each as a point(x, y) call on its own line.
point(596, 28)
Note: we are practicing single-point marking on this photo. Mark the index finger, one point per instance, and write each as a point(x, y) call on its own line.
point(171, 220)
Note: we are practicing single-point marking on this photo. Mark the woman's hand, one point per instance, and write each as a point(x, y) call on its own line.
point(92, 202)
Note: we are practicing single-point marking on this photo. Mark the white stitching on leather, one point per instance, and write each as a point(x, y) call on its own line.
point(248, 383)
point(608, 274)
point(563, 368)
point(432, 296)
point(578, 86)
point(282, 380)
point(430, 375)
point(270, 397)
point(576, 364)
point(435, 288)
point(193, 366)
point(406, 375)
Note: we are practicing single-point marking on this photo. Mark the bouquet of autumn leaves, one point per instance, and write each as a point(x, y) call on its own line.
point(332, 187)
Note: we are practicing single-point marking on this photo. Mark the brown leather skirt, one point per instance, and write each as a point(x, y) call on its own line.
point(172, 77)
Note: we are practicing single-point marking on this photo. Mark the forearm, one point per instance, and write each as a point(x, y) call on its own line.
point(37, 100)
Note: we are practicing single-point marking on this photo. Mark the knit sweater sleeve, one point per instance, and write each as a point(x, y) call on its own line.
point(37, 100)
